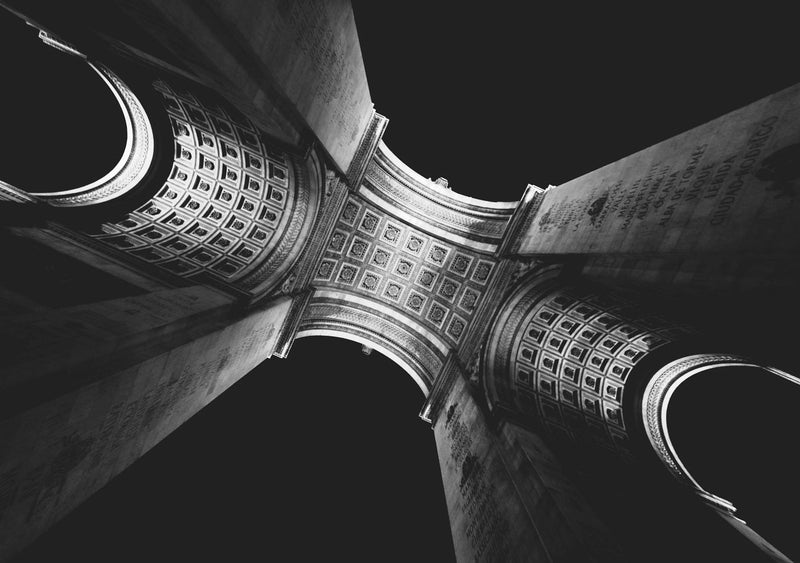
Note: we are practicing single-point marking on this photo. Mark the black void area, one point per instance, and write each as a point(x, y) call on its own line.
point(62, 127)
point(320, 457)
point(735, 430)
point(496, 97)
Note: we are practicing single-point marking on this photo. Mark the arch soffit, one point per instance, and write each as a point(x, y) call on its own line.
point(231, 208)
point(387, 351)
point(469, 222)
point(496, 360)
point(419, 351)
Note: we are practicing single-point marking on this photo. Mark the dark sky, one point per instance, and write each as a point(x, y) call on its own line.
point(322, 456)
point(47, 145)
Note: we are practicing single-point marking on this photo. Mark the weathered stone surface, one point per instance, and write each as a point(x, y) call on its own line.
point(53, 456)
point(304, 54)
point(727, 185)
point(506, 498)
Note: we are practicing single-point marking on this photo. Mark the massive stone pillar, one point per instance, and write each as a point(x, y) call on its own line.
point(714, 208)
point(87, 390)
point(294, 68)
point(507, 495)
point(130, 303)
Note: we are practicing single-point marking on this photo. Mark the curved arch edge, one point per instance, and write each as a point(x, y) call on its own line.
point(655, 405)
point(136, 159)
point(372, 344)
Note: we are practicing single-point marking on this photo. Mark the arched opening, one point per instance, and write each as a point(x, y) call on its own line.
point(734, 429)
point(390, 354)
point(63, 126)
point(319, 457)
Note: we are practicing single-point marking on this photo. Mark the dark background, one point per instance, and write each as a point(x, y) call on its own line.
point(322, 456)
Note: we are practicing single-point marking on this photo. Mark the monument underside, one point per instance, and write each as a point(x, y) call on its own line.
point(257, 203)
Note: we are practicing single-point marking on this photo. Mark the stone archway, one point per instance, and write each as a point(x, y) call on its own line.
point(80, 167)
point(724, 426)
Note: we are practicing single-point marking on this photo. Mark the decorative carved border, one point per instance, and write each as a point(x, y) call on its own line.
point(521, 219)
point(136, 158)
point(441, 387)
point(308, 195)
point(371, 327)
point(290, 325)
point(655, 402)
point(366, 150)
point(394, 182)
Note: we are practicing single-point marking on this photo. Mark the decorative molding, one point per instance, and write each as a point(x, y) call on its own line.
point(430, 204)
point(136, 157)
point(299, 227)
point(366, 150)
point(291, 324)
point(57, 43)
point(382, 332)
point(15, 195)
point(321, 232)
point(479, 327)
point(521, 219)
point(655, 402)
point(441, 388)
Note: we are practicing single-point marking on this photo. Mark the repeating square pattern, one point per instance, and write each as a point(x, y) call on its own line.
point(369, 223)
point(325, 270)
point(277, 196)
point(337, 240)
point(426, 278)
point(415, 301)
point(227, 267)
point(154, 233)
point(437, 254)
point(613, 414)
point(414, 243)
point(436, 314)
point(448, 288)
point(199, 230)
point(381, 258)
point(261, 235)
point(245, 252)
point(202, 255)
point(460, 264)
point(549, 363)
point(403, 267)
point(268, 214)
point(455, 328)
point(393, 290)
point(230, 174)
point(392, 233)
point(347, 274)
point(370, 281)
point(350, 212)
point(468, 300)
point(246, 206)
point(236, 224)
point(358, 249)
point(224, 196)
point(482, 271)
